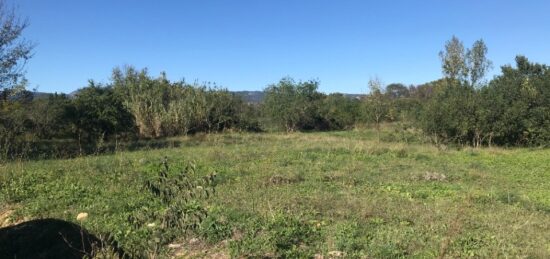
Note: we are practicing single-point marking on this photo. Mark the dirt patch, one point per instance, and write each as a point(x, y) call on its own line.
point(434, 176)
point(5, 219)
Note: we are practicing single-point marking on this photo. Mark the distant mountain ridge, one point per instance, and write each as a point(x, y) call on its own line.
point(247, 96)
point(258, 96)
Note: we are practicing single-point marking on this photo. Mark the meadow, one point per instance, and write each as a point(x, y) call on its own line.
point(304, 195)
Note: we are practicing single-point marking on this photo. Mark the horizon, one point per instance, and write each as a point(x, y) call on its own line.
point(248, 45)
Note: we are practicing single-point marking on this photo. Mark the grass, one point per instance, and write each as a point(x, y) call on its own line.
point(306, 194)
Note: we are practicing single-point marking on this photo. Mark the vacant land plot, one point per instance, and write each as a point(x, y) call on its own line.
point(305, 195)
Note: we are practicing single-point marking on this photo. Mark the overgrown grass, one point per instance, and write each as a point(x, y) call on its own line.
point(306, 194)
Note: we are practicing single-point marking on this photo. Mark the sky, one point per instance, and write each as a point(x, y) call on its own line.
point(247, 45)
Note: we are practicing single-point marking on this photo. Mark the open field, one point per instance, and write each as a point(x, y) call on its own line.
point(309, 194)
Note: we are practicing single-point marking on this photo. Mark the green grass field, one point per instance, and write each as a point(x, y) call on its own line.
point(309, 194)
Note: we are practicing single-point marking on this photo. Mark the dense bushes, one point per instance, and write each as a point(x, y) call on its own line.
point(515, 106)
point(293, 106)
point(162, 108)
point(513, 109)
point(133, 105)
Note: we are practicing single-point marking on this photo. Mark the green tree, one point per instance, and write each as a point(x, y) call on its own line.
point(49, 116)
point(397, 90)
point(455, 113)
point(517, 105)
point(293, 106)
point(453, 60)
point(339, 112)
point(376, 104)
point(97, 114)
point(14, 50)
point(465, 65)
point(478, 64)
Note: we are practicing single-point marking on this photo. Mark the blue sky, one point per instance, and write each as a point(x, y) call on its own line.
point(246, 45)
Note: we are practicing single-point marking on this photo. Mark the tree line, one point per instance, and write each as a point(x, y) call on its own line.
point(511, 109)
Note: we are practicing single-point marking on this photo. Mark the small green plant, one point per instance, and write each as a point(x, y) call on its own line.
point(348, 238)
point(215, 227)
point(280, 236)
point(179, 194)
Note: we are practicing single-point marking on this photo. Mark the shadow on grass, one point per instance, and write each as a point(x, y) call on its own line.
point(49, 238)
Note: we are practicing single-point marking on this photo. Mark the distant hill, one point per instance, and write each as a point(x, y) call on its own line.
point(247, 96)
point(250, 96)
point(41, 95)
point(258, 96)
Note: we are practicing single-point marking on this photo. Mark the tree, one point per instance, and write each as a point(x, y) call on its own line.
point(517, 105)
point(292, 105)
point(339, 112)
point(376, 105)
point(397, 90)
point(455, 112)
point(464, 65)
point(97, 114)
point(453, 60)
point(478, 64)
point(14, 50)
point(49, 116)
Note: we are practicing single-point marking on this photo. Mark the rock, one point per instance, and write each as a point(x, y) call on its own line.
point(81, 216)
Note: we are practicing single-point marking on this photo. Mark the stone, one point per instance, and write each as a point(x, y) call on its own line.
point(81, 216)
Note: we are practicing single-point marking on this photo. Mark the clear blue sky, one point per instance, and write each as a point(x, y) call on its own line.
point(246, 45)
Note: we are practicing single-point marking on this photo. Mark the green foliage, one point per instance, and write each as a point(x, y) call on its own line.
point(516, 105)
point(467, 66)
point(178, 194)
point(50, 116)
point(283, 235)
point(511, 110)
point(162, 108)
point(290, 236)
point(349, 238)
point(450, 116)
point(14, 50)
point(292, 106)
point(375, 104)
point(15, 126)
point(97, 114)
point(216, 227)
point(339, 112)
point(298, 106)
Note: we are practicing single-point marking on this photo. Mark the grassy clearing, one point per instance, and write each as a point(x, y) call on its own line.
point(305, 194)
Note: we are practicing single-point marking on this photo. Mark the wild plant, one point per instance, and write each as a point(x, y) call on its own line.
point(180, 194)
